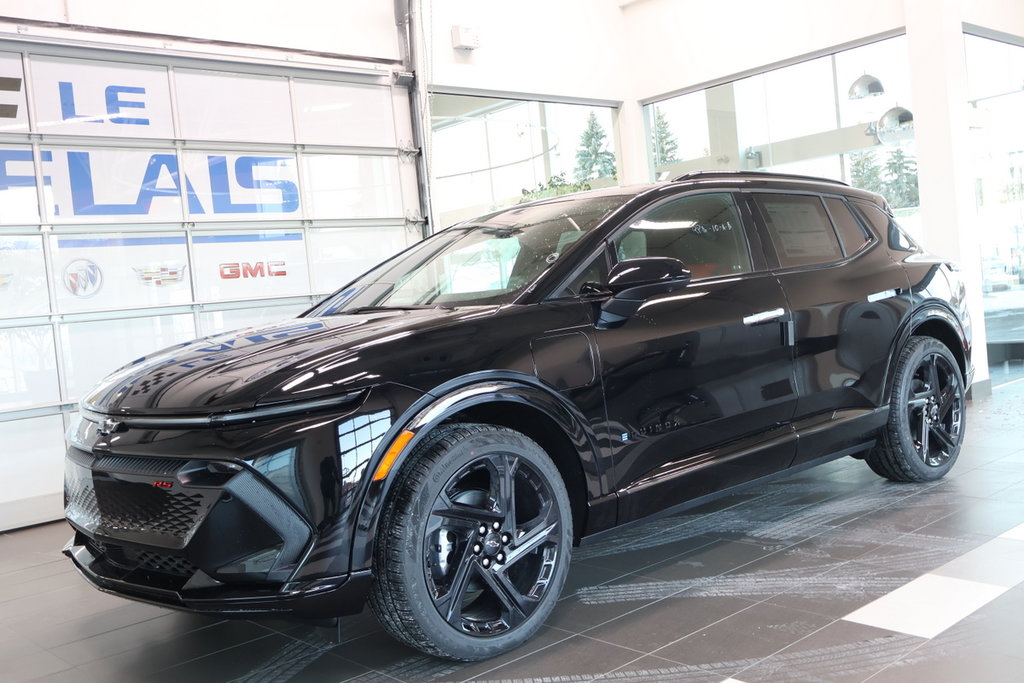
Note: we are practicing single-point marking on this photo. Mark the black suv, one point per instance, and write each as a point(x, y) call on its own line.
point(435, 437)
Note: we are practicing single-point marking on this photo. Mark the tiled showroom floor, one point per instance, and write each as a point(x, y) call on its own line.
point(756, 587)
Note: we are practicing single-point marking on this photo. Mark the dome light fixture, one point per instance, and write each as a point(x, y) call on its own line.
point(866, 86)
point(895, 127)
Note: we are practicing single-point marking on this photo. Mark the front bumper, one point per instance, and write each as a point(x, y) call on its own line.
point(321, 599)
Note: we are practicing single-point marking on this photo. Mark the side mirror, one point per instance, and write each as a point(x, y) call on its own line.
point(646, 271)
point(636, 280)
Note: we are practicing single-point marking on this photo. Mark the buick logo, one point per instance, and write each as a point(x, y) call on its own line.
point(159, 276)
point(83, 278)
point(109, 426)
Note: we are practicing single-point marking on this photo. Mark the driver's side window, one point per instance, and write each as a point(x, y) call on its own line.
point(703, 231)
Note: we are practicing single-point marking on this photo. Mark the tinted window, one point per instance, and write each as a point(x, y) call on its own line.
point(851, 234)
point(487, 260)
point(800, 229)
point(885, 225)
point(703, 231)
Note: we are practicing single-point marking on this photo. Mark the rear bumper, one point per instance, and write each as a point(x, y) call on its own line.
point(320, 599)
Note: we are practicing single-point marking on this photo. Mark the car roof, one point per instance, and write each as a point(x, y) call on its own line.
point(732, 179)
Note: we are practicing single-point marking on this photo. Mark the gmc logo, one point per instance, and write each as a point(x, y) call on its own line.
point(233, 271)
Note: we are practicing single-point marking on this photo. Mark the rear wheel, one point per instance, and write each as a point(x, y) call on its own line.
point(474, 544)
point(927, 415)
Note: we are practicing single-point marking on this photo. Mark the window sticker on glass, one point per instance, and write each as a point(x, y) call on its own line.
point(800, 229)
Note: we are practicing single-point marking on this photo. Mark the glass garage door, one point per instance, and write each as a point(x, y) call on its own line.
point(144, 203)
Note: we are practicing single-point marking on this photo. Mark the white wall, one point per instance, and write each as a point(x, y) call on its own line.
point(554, 48)
point(364, 28)
point(676, 44)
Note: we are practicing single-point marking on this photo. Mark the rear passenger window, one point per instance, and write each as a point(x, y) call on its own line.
point(852, 236)
point(800, 229)
point(703, 231)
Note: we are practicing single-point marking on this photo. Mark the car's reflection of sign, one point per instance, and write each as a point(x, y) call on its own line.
point(83, 278)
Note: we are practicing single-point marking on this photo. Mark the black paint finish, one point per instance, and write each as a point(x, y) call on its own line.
point(703, 384)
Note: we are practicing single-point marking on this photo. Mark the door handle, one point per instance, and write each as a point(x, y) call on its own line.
point(763, 316)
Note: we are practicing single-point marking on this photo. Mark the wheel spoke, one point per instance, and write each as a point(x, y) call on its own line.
point(468, 515)
point(450, 604)
point(530, 541)
point(925, 428)
point(945, 440)
point(946, 400)
point(517, 606)
point(503, 488)
point(933, 374)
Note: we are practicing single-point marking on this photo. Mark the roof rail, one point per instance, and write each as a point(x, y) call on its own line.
point(697, 175)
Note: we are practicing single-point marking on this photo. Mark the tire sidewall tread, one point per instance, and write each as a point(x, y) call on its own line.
point(399, 596)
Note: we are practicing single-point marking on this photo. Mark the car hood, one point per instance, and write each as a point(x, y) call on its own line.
point(291, 360)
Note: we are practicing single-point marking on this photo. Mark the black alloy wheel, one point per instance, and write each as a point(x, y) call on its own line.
point(927, 415)
point(474, 544)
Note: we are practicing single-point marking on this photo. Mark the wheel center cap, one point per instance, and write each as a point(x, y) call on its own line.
point(492, 544)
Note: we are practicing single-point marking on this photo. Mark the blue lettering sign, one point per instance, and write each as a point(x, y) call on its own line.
point(115, 104)
point(162, 178)
point(67, 103)
point(7, 181)
point(244, 167)
point(149, 188)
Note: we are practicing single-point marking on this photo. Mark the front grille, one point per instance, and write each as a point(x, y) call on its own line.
point(117, 498)
point(140, 507)
point(134, 558)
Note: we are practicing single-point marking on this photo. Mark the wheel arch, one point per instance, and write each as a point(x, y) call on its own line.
point(937, 321)
point(519, 403)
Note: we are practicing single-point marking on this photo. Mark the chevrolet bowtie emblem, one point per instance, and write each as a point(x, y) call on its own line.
point(109, 426)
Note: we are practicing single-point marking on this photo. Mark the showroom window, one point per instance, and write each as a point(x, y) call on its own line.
point(995, 75)
point(488, 153)
point(846, 115)
point(146, 201)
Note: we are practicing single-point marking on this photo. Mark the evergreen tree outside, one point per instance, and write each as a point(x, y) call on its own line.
point(865, 172)
point(896, 180)
point(665, 145)
point(901, 180)
point(592, 159)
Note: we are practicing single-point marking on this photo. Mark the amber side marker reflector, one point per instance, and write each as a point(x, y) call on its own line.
point(389, 458)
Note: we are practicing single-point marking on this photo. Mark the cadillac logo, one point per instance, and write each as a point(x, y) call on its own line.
point(83, 278)
point(160, 276)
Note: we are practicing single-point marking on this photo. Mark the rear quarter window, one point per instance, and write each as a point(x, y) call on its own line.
point(800, 229)
point(851, 234)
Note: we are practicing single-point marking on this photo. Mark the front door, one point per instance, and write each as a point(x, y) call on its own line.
point(699, 382)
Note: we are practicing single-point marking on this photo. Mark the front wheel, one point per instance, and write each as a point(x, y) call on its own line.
point(927, 415)
point(474, 544)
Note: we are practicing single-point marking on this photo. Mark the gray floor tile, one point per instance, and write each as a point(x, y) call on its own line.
point(733, 644)
point(841, 651)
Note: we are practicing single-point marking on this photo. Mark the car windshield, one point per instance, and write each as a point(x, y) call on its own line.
point(488, 260)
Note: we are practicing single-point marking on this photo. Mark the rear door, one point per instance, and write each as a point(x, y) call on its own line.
point(847, 298)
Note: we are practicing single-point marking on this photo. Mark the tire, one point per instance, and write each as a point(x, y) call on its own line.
point(473, 544)
point(927, 415)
